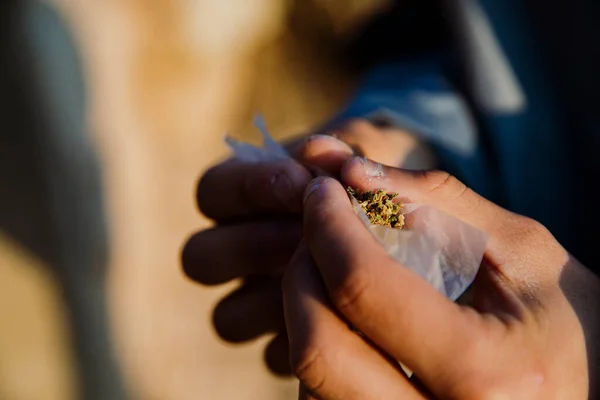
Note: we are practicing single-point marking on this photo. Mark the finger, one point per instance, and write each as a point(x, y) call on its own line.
point(277, 354)
point(235, 188)
point(330, 360)
point(323, 153)
point(510, 235)
point(394, 307)
point(435, 188)
point(250, 311)
point(227, 252)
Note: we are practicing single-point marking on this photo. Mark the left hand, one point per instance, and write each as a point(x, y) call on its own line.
point(534, 305)
point(261, 222)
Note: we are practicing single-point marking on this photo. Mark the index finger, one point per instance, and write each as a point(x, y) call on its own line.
point(435, 188)
point(237, 188)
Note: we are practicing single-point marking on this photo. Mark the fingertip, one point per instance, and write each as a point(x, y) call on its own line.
point(276, 356)
point(324, 152)
point(222, 323)
point(313, 187)
point(204, 187)
point(194, 257)
point(324, 192)
point(362, 173)
point(188, 256)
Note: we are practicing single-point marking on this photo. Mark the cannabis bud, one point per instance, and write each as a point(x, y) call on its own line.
point(380, 207)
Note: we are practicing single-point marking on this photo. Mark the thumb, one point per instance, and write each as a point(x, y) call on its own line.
point(435, 188)
point(324, 154)
point(394, 307)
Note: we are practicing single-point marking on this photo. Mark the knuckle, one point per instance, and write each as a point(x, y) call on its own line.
point(534, 243)
point(528, 230)
point(533, 227)
point(349, 295)
point(444, 184)
point(307, 363)
point(317, 217)
point(322, 214)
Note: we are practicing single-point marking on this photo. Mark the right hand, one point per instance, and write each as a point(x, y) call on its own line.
point(531, 332)
point(257, 208)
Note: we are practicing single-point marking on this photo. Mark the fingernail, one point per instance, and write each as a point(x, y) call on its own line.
point(371, 168)
point(312, 187)
point(282, 188)
point(331, 139)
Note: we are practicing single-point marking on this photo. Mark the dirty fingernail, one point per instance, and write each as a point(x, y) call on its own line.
point(312, 187)
point(371, 168)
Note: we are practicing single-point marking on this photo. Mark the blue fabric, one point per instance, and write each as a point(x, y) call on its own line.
point(520, 161)
point(387, 92)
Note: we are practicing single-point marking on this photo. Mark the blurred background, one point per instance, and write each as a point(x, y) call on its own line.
point(111, 110)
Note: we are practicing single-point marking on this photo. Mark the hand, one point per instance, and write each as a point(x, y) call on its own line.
point(257, 209)
point(531, 333)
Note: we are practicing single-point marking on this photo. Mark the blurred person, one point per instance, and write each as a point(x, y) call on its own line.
point(52, 199)
point(500, 98)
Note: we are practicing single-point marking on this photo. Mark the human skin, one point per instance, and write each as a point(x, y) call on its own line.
point(257, 210)
point(528, 333)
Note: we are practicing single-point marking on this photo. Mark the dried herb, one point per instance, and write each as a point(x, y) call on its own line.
point(380, 207)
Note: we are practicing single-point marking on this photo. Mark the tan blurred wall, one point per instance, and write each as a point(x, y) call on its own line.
point(166, 79)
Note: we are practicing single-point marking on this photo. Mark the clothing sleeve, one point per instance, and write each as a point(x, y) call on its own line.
point(416, 97)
